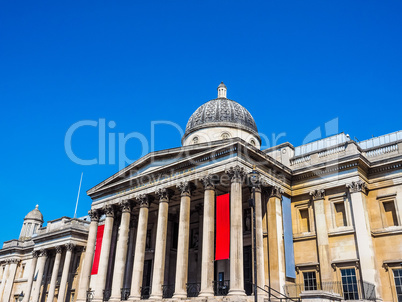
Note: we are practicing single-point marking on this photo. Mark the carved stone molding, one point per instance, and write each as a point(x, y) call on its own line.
point(69, 246)
point(186, 188)
point(94, 215)
point(236, 173)
point(144, 200)
point(317, 194)
point(334, 266)
point(209, 181)
point(125, 206)
point(276, 192)
point(59, 249)
point(164, 194)
point(357, 186)
point(385, 266)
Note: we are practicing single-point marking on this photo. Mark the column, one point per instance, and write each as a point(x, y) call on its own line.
point(55, 272)
point(208, 236)
point(66, 269)
point(317, 197)
point(200, 210)
point(139, 255)
point(160, 248)
point(259, 241)
point(180, 290)
point(31, 276)
point(83, 284)
point(4, 278)
point(275, 240)
point(38, 283)
point(130, 252)
point(10, 279)
point(358, 191)
point(121, 251)
point(236, 175)
point(104, 255)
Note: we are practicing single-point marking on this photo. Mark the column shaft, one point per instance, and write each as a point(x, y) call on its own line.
point(363, 235)
point(322, 236)
point(275, 241)
point(55, 272)
point(104, 255)
point(121, 252)
point(31, 276)
point(139, 255)
point(236, 240)
point(160, 249)
point(64, 276)
point(259, 241)
point(207, 263)
point(183, 242)
point(4, 279)
point(83, 284)
point(10, 280)
point(38, 283)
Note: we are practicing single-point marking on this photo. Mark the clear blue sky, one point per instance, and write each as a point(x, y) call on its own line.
point(293, 64)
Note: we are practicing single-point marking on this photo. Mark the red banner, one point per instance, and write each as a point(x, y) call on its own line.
point(99, 237)
point(222, 244)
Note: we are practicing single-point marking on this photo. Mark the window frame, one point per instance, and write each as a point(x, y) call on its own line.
point(388, 199)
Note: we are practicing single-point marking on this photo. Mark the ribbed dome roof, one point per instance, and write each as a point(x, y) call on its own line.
point(35, 214)
point(221, 112)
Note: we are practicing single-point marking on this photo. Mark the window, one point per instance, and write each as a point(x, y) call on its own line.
point(304, 221)
point(310, 281)
point(252, 142)
point(390, 217)
point(22, 271)
point(398, 283)
point(340, 214)
point(349, 284)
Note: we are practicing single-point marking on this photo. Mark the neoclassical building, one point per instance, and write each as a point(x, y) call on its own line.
point(212, 218)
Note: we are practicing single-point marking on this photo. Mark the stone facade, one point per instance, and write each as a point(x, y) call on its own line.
point(327, 225)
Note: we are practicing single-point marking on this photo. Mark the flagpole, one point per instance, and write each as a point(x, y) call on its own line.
point(78, 196)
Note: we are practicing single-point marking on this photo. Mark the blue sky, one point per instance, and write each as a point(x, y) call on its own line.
point(295, 65)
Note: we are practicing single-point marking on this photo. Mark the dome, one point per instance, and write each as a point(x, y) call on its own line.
point(35, 214)
point(221, 112)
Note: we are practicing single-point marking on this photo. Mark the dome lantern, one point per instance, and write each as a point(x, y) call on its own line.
point(220, 119)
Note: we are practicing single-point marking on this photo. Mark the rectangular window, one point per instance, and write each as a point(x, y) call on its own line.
point(340, 214)
point(310, 281)
point(398, 283)
point(304, 221)
point(349, 284)
point(390, 213)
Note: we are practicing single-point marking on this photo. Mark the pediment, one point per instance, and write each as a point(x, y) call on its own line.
point(156, 161)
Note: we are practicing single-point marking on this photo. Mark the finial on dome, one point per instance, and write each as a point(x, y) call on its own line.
point(37, 206)
point(222, 90)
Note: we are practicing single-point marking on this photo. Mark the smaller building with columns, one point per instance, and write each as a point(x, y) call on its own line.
point(320, 221)
point(44, 263)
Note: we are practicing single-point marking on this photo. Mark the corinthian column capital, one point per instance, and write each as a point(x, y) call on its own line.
point(236, 173)
point(185, 188)
point(94, 215)
point(144, 200)
point(317, 194)
point(109, 210)
point(59, 249)
point(164, 194)
point(209, 181)
point(276, 192)
point(125, 206)
point(35, 254)
point(357, 186)
point(69, 246)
